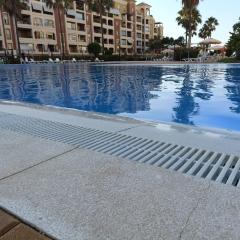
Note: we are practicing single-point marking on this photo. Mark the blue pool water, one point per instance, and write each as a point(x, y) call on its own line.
point(201, 95)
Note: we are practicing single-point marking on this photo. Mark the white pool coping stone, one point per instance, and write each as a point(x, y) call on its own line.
point(73, 193)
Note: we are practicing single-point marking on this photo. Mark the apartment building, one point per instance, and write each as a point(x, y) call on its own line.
point(127, 27)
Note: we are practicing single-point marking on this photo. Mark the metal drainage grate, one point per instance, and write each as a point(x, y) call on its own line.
point(197, 162)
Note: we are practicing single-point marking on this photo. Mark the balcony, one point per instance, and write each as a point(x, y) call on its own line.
point(80, 27)
point(80, 5)
point(25, 33)
point(129, 25)
point(25, 22)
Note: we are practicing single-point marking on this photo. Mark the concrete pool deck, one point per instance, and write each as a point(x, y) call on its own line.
point(72, 189)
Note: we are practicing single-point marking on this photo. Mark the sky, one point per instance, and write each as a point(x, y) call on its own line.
point(226, 11)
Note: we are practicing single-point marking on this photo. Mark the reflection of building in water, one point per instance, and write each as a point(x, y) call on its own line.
point(109, 89)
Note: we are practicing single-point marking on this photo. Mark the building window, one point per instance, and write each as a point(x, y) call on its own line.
point(123, 33)
point(81, 38)
point(8, 34)
point(80, 16)
point(72, 37)
point(40, 47)
point(139, 43)
point(37, 22)
point(80, 27)
point(71, 26)
point(123, 42)
point(48, 23)
point(50, 36)
point(39, 35)
point(9, 46)
point(6, 19)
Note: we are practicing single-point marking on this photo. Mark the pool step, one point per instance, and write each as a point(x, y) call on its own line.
point(202, 163)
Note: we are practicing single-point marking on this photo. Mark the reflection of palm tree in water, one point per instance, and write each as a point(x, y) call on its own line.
point(204, 84)
point(186, 106)
point(233, 88)
point(65, 85)
point(27, 91)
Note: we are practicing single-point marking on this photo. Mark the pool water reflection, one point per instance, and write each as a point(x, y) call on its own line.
point(201, 95)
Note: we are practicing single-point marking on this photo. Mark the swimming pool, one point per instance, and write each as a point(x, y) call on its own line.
point(200, 95)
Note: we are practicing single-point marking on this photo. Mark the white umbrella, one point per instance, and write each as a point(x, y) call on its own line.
point(216, 48)
point(174, 46)
point(168, 51)
point(210, 41)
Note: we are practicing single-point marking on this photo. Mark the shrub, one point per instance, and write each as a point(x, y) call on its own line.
point(108, 52)
point(229, 60)
point(94, 48)
point(181, 53)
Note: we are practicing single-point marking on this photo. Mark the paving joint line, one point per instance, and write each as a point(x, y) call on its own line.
point(126, 129)
point(37, 164)
point(193, 210)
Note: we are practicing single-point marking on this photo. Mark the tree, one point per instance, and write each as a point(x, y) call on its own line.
point(189, 21)
point(190, 5)
point(158, 43)
point(211, 24)
point(101, 7)
point(203, 32)
point(234, 40)
point(182, 21)
point(208, 28)
point(180, 41)
point(60, 7)
point(155, 44)
point(94, 48)
point(14, 8)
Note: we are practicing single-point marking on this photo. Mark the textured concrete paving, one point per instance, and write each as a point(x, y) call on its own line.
point(97, 197)
point(80, 194)
point(18, 152)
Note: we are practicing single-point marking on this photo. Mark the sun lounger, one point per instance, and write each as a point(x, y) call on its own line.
point(26, 60)
point(50, 60)
point(57, 60)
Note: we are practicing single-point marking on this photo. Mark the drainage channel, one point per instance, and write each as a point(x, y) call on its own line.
point(219, 167)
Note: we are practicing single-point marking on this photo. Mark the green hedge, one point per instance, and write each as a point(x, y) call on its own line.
point(181, 53)
point(229, 60)
point(122, 58)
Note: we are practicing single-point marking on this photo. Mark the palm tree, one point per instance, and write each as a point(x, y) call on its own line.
point(211, 23)
point(190, 5)
point(203, 32)
point(60, 7)
point(189, 23)
point(14, 8)
point(182, 20)
point(208, 28)
point(101, 7)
